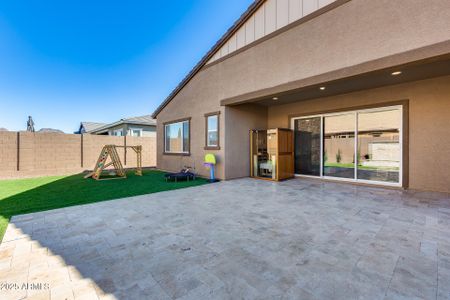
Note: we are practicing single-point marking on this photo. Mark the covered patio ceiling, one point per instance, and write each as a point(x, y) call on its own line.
point(365, 76)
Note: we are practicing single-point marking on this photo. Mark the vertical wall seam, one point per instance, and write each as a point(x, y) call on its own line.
point(276, 15)
point(264, 18)
point(125, 150)
point(254, 24)
point(18, 150)
point(81, 153)
point(288, 12)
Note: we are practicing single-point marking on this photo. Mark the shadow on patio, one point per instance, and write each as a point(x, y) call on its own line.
point(48, 247)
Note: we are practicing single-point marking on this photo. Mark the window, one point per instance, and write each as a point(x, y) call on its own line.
point(118, 132)
point(212, 131)
point(176, 137)
point(135, 132)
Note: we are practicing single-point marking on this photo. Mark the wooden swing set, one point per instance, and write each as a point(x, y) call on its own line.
point(111, 152)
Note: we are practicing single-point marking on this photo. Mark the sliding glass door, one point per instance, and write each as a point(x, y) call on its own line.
point(360, 145)
point(339, 145)
point(379, 146)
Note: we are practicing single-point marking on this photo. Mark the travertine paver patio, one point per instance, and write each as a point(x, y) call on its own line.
point(250, 239)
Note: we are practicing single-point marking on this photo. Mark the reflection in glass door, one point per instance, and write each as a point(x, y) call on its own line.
point(339, 145)
point(379, 148)
point(307, 146)
point(360, 145)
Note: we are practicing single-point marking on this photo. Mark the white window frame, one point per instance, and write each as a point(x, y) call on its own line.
point(134, 129)
point(356, 112)
point(208, 144)
point(188, 121)
point(115, 131)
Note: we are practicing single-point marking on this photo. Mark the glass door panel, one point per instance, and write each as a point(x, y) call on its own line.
point(379, 148)
point(307, 146)
point(339, 146)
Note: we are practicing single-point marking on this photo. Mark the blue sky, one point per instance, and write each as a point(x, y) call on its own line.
point(88, 60)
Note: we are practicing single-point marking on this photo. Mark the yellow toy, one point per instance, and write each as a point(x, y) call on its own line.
point(210, 162)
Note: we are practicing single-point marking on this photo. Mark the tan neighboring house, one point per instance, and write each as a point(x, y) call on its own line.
point(144, 126)
point(363, 84)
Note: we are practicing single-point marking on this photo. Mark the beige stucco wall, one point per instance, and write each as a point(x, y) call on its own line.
point(355, 32)
point(234, 138)
point(240, 120)
point(197, 98)
point(272, 15)
point(429, 129)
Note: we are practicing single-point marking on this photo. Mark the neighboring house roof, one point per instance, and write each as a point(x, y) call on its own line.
point(90, 126)
point(46, 130)
point(146, 120)
point(244, 17)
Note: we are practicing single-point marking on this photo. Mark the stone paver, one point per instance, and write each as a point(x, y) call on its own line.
point(241, 239)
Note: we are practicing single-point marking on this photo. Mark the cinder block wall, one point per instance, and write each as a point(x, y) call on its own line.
point(8, 152)
point(148, 151)
point(93, 144)
point(44, 154)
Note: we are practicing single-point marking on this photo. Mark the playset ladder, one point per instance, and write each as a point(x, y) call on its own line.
point(111, 152)
point(107, 151)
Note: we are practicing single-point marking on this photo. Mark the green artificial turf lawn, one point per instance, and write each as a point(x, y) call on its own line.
point(20, 196)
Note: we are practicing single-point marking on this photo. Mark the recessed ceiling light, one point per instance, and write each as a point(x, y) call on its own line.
point(396, 73)
point(275, 98)
point(322, 88)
